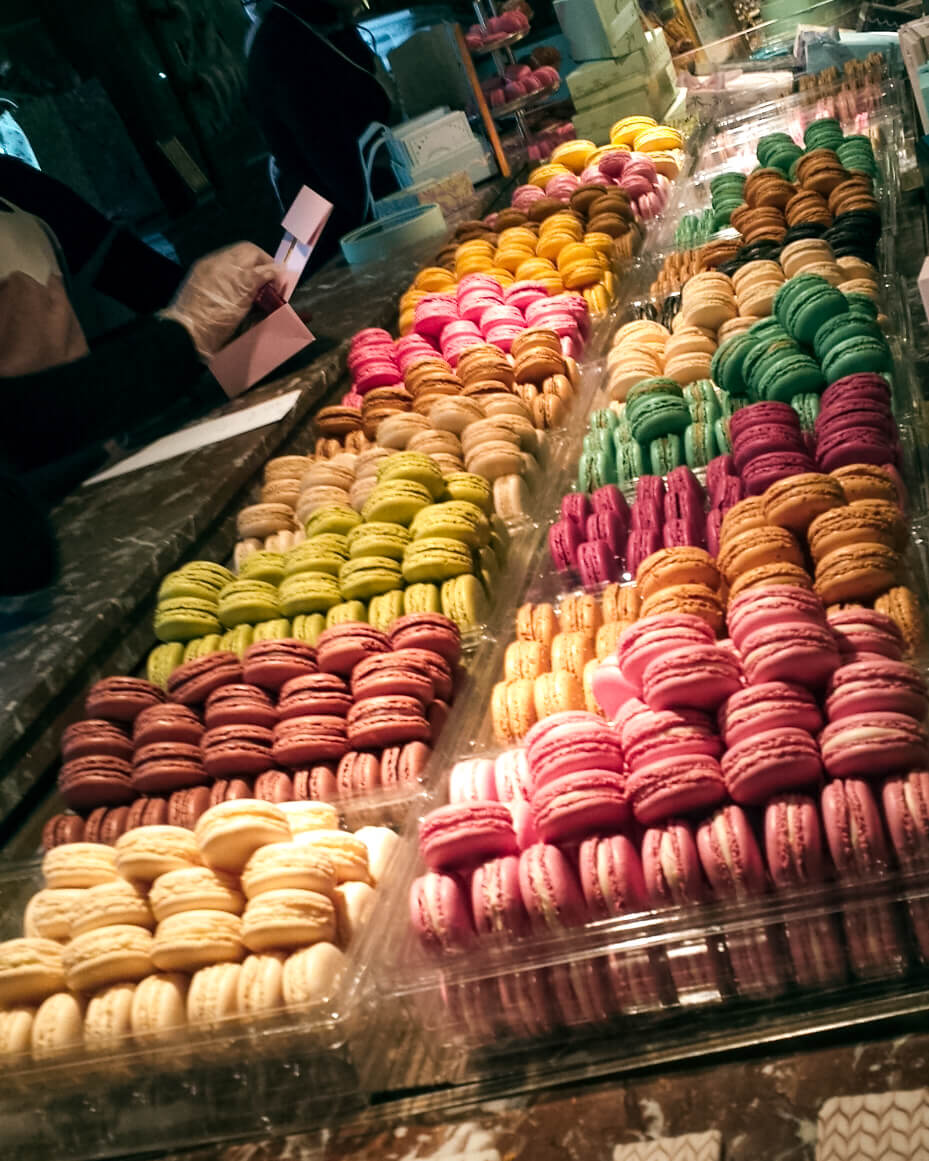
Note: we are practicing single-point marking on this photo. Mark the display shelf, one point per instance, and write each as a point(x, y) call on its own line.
point(522, 104)
point(505, 42)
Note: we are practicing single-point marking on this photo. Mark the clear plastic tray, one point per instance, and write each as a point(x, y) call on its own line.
point(662, 974)
point(288, 1070)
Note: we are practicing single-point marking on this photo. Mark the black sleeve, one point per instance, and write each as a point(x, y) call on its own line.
point(34, 564)
point(136, 373)
point(132, 273)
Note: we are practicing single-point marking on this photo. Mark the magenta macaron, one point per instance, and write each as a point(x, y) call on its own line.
point(697, 677)
point(121, 699)
point(648, 735)
point(496, 898)
point(683, 784)
point(772, 705)
point(95, 736)
point(569, 742)
point(439, 911)
point(770, 762)
point(340, 648)
point(465, 834)
point(550, 888)
point(239, 704)
point(236, 750)
point(194, 681)
point(314, 693)
point(876, 686)
point(872, 745)
point(427, 631)
point(312, 738)
point(654, 636)
point(270, 664)
point(387, 720)
point(161, 767)
point(167, 723)
point(577, 805)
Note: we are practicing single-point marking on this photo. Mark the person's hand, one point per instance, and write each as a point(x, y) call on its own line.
point(218, 293)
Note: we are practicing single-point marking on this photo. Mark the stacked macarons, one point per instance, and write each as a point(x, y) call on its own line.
point(287, 721)
point(496, 29)
point(126, 947)
point(519, 80)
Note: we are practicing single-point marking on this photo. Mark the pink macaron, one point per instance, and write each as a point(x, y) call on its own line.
point(574, 806)
point(465, 834)
point(770, 762)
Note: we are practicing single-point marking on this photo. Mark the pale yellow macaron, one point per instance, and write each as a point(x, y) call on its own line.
point(189, 940)
point(279, 865)
point(288, 918)
point(48, 913)
point(15, 1032)
point(108, 955)
point(58, 1028)
point(311, 976)
point(381, 843)
point(195, 889)
point(349, 854)
point(260, 987)
point(159, 1008)
point(79, 865)
point(109, 903)
point(108, 1019)
point(228, 833)
point(212, 995)
point(146, 852)
point(353, 905)
point(30, 970)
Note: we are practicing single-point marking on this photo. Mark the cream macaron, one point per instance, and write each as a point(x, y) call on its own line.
point(230, 832)
point(79, 865)
point(30, 970)
point(188, 940)
point(119, 953)
point(288, 918)
point(146, 852)
point(311, 976)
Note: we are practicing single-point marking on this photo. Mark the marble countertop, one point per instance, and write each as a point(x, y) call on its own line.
point(756, 1105)
point(118, 539)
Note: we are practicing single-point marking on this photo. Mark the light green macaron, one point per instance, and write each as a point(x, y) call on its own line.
point(309, 592)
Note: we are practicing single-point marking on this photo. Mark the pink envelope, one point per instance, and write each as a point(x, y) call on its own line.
point(262, 348)
point(303, 223)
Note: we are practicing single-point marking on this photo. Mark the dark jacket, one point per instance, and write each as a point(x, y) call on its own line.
point(312, 105)
point(56, 420)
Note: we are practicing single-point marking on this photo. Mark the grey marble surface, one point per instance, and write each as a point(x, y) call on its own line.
point(119, 538)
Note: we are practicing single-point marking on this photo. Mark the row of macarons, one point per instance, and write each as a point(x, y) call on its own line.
point(799, 842)
point(283, 708)
point(244, 898)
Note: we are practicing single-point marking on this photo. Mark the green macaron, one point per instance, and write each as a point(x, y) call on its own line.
point(840, 327)
point(464, 601)
point(413, 466)
point(467, 486)
point(246, 602)
point(656, 407)
point(807, 408)
point(596, 468)
point(368, 576)
point(324, 553)
point(237, 640)
point(162, 662)
point(277, 629)
point(385, 608)
point(346, 612)
point(699, 444)
point(308, 627)
point(396, 501)
point(803, 303)
point(339, 518)
point(784, 375)
point(727, 363)
point(723, 439)
point(434, 559)
point(630, 463)
point(605, 418)
point(377, 538)
point(422, 598)
point(308, 592)
point(456, 520)
point(262, 565)
point(665, 453)
point(183, 618)
point(203, 646)
point(858, 353)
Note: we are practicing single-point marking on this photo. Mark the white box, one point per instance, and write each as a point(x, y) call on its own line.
point(592, 83)
point(914, 48)
point(599, 29)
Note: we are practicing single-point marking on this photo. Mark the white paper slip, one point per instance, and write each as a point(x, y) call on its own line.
point(689, 1147)
point(880, 1126)
point(188, 439)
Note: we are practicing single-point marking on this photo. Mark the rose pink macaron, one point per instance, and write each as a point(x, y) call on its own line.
point(465, 834)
